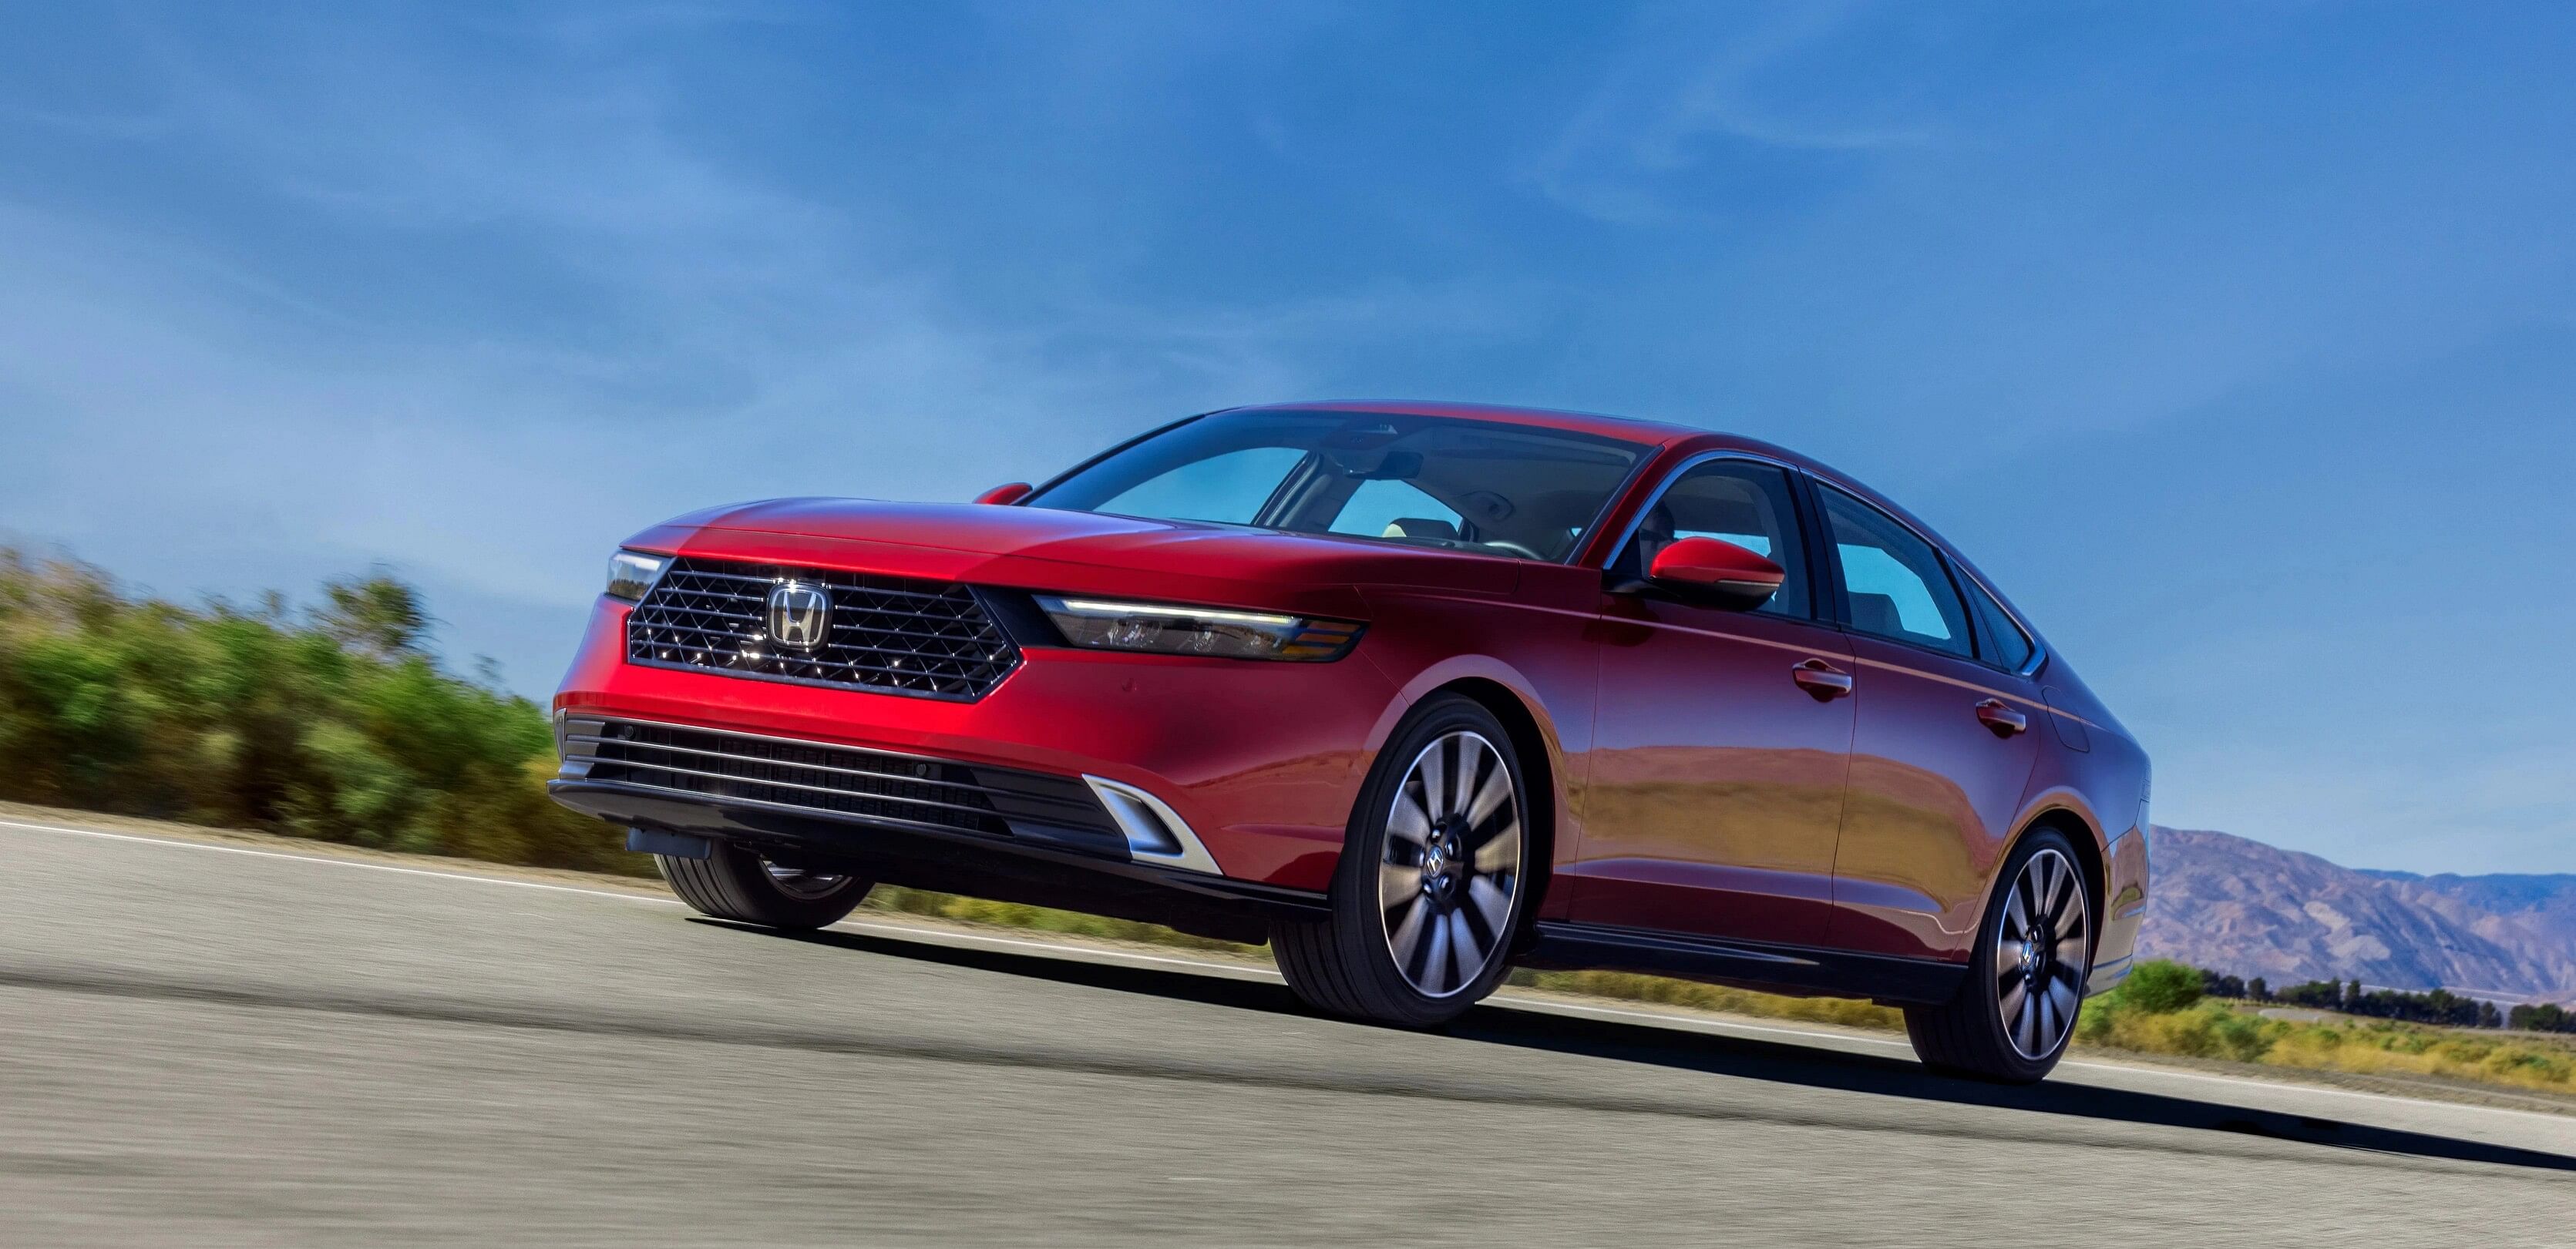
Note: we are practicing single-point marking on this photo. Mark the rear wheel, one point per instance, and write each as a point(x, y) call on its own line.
point(737, 884)
point(2015, 1012)
point(1428, 895)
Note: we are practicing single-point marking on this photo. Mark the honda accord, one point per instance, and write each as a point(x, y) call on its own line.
point(1415, 693)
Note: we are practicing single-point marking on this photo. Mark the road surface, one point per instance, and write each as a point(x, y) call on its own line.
point(202, 1046)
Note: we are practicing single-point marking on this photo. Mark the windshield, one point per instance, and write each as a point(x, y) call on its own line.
point(1497, 489)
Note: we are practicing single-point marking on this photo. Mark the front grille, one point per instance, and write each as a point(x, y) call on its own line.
point(871, 785)
point(895, 635)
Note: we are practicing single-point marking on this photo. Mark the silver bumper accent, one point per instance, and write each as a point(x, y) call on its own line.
point(1155, 832)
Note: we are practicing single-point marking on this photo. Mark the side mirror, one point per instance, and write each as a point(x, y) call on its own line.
point(1006, 494)
point(1721, 574)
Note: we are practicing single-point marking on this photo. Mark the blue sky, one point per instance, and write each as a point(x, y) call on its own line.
point(2237, 342)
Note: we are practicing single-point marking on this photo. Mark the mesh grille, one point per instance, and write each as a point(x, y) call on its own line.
point(873, 785)
point(890, 634)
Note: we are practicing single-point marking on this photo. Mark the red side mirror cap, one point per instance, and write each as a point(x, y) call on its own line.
point(1005, 494)
point(1716, 571)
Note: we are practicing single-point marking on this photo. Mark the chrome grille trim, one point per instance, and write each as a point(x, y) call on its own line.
point(875, 786)
point(888, 635)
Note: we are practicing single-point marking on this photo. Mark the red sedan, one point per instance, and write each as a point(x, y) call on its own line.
point(1413, 692)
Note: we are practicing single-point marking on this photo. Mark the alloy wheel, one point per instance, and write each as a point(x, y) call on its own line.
point(2043, 948)
point(802, 884)
point(1451, 868)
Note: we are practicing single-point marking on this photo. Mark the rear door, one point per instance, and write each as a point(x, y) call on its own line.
point(1716, 786)
point(1941, 751)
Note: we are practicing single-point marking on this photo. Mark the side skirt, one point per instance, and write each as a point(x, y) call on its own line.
point(1800, 971)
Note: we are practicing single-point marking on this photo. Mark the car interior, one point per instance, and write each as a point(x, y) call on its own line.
point(1458, 486)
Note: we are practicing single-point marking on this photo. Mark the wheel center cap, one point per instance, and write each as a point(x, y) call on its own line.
point(1440, 859)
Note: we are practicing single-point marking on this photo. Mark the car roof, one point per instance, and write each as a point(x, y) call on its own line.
point(1653, 433)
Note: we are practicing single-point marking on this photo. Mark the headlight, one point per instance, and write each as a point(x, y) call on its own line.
point(631, 573)
point(1173, 629)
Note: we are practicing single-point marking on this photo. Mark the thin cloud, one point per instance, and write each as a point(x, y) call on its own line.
point(730, 337)
point(1685, 83)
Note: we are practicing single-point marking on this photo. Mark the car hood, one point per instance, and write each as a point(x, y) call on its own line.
point(1032, 546)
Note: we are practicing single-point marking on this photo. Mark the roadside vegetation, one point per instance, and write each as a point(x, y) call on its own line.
point(1665, 991)
point(335, 722)
point(2164, 1009)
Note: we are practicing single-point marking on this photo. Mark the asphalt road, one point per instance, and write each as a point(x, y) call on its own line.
point(211, 1047)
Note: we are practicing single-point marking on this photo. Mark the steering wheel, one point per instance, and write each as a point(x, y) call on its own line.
point(1514, 547)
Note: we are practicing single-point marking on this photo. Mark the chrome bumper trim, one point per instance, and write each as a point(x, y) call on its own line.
point(1155, 832)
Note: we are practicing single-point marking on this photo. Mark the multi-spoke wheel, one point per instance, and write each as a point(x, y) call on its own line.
point(738, 884)
point(1428, 896)
point(1451, 864)
point(2014, 1013)
point(805, 884)
point(2042, 950)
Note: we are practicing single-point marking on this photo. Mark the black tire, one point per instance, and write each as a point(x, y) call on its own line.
point(1969, 1035)
point(1347, 963)
point(733, 883)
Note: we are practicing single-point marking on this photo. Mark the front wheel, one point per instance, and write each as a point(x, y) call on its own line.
point(2013, 1015)
point(737, 884)
point(1428, 894)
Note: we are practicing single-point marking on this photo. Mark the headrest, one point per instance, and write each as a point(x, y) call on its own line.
point(1416, 527)
point(1876, 613)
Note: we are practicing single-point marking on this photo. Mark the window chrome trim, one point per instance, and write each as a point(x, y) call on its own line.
point(2039, 652)
point(1665, 486)
point(1958, 568)
point(2038, 649)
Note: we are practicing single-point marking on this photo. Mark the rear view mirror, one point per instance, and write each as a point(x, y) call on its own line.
point(1005, 494)
point(1376, 465)
point(1715, 572)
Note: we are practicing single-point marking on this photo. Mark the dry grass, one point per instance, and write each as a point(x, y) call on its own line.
point(1664, 990)
point(2353, 1046)
point(2372, 1048)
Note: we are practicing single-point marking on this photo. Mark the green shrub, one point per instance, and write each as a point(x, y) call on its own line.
point(336, 724)
point(2161, 987)
point(2245, 1038)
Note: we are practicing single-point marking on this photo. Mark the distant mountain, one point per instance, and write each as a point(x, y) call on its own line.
point(2249, 909)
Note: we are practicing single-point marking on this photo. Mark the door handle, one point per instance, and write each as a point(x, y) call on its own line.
point(2002, 719)
point(1822, 680)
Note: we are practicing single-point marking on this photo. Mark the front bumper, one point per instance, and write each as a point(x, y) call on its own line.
point(1260, 760)
point(1087, 844)
point(958, 862)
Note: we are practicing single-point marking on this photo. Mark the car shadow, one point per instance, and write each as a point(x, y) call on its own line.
point(1715, 1054)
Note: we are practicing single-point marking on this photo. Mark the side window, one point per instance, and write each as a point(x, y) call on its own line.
point(1734, 501)
point(1894, 580)
point(1999, 641)
point(1226, 488)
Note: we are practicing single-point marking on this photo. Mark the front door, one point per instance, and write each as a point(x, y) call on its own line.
point(1942, 753)
point(1716, 782)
